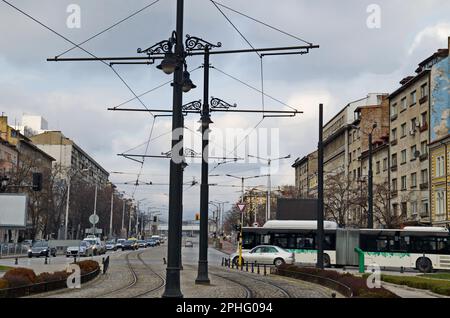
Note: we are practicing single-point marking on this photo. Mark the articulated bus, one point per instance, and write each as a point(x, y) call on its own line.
point(422, 248)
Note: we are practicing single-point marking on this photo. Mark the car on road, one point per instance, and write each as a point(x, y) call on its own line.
point(111, 245)
point(129, 245)
point(157, 238)
point(142, 243)
point(265, 254)
point(188, 244)
point(99, 247)
point(83, 249)
point(119, 242)
point(151, 242)
point(41, 248)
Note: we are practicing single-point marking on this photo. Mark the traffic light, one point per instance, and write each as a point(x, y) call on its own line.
point(197, 216)
point(37, 181)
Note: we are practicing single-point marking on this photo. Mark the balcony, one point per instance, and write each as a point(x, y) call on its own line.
point(423, 100)
point(423, 157)
point(424, 186)
point(423, 127)
point(394, 142)
point(394, 168)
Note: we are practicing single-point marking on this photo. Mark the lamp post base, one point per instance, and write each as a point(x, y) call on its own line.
point(202, 276)
point(172, 284)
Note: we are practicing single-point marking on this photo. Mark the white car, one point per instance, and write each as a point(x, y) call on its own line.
point(98, 246)
point(84, 249)
point(265, 254)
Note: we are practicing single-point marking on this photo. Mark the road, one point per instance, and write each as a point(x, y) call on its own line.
point(141, 274)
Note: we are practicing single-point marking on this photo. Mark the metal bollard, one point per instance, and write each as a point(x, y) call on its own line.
point(46, 262)
point(265, 271)
point(74, 259)
point(164, 260)
point(232, 265)
point(223, 259)
point(16, 262)
point(402, 269)
point(258, 269)
point(242, 266)
point(253, 267)
point(333, 295)
point(246, 266)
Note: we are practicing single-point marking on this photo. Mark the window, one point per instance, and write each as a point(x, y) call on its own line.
point(359, 172)
point(403, 156)
point(395, 209)
point(403, 207)
point(403, 180)
point(394, 159)
point(440, 166)
point(424, 176)
point(423, 147)
point(378, 167)
point(349, 157)
point(394, 134)
point(440, 202)
point(413, 180)
point(425, 207)
point(354, 154)
point(413, 124)
point(414, 208)
point(413, 98)
point(394, 184)
point(403, 102)
point(403, 129)
point(394, 109)
point(423, 90)
point(423, 119)
point(359, 152)
point(413, 152)
point(385, 164)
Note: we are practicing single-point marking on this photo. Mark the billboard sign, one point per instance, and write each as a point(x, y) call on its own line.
point(13, 210)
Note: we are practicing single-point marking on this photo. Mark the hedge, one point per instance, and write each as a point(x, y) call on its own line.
point(357, 285)
point(441, 287)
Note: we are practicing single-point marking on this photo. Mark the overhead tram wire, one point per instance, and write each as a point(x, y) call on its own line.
point(76, 45)
point(109, 28)
point(263, 23)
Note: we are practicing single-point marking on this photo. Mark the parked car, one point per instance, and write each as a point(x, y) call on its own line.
point(41, 248)
point(188, 244)
point(120, 242)
point(142, 243)
point(111, 245)
point(99, 247)
point(83, 249)
point(265, 254)
point(129, 245)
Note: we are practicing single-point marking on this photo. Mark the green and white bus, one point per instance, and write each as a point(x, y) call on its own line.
point(422, 248)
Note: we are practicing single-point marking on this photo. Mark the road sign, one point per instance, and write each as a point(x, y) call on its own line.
point(93, 219)
point(241, 207)
point(90, 230)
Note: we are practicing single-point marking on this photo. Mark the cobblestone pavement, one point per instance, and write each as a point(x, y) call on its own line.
point(142, 274)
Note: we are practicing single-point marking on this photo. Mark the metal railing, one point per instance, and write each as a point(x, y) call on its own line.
point(13, 249)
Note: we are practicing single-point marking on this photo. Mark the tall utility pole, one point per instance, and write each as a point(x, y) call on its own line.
point(111, 215)
point(269, 181)
point(176, 171)
point(370, 184)
point(123, 214)
point(320, 229)
point(66, 223)
point(202, 276)
point(95, 209)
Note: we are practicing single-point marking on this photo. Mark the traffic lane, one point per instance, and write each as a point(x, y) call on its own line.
point(191, 254)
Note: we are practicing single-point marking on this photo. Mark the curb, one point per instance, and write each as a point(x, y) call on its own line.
point(419, 291)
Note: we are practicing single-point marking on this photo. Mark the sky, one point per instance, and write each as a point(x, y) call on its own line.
point(365, 47)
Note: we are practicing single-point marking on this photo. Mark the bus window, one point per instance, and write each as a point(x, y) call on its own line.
point(250, 240)
point(443, 246)
point(423, 244)
point(329, 242)
point(266, 239)
point(306, 243)
point(280, 240)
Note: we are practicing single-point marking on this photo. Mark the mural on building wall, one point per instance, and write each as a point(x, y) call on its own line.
point(440, 100)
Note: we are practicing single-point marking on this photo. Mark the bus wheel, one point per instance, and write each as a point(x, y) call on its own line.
point(424, 265)
point(326, 261)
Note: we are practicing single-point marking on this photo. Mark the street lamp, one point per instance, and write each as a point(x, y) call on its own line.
point(370, 179)
point(69, 181)
point(269, 182)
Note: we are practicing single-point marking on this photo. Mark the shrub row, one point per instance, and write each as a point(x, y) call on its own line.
point(441, 287)
point(19, 277)
point(357, 285)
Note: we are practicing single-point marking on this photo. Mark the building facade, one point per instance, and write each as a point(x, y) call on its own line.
point(70, 158)
point(306, 175)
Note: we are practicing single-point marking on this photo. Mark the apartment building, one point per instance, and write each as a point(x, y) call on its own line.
point(440, 141)
point(410, 109)
point(70, 157)
point(306, 175)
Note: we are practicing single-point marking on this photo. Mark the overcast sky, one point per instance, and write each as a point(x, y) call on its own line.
point(352, 61)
